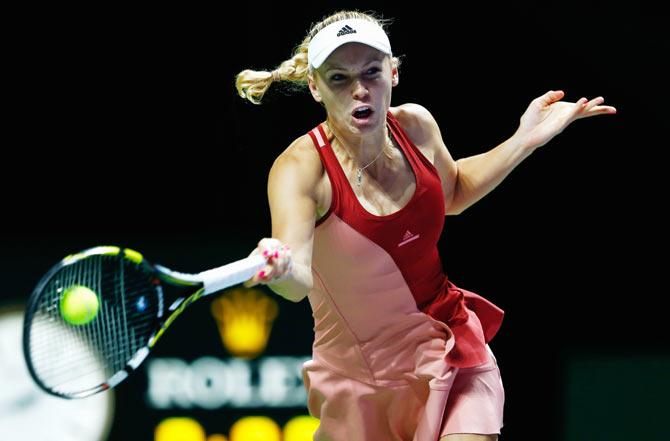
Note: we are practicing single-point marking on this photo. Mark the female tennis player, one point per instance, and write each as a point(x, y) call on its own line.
point(358, 205)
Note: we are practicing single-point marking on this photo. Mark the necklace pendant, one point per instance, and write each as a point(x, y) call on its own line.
point(359, 176)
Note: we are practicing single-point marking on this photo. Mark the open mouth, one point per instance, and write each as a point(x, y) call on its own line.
point(362, 112)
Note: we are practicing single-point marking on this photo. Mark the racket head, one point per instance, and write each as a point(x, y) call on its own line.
point(77, 360)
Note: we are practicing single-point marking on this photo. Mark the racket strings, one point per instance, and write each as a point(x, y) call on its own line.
point(73, 358)
point(50, 305)
point(107, 332)
point(116, 354)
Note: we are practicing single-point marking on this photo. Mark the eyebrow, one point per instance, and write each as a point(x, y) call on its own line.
point(330, 67)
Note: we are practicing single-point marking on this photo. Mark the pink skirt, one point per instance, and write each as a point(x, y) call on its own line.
point(354, 411)
point(476, 400)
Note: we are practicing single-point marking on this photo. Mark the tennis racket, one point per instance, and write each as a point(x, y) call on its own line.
point(77, 360)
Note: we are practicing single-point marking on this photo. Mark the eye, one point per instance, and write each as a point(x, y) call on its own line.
point(337, 77)
point(372, 71)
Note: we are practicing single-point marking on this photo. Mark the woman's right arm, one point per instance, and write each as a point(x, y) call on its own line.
point(292, 185)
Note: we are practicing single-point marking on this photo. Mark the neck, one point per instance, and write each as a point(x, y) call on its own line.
point(361, 149)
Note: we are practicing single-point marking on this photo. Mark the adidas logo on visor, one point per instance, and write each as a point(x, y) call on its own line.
point(346, 30)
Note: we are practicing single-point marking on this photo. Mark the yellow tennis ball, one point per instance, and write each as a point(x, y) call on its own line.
point(79, 305)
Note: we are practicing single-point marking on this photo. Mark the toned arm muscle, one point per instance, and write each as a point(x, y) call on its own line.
point(291, 195)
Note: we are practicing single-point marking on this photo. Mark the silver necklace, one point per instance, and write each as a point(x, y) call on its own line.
point(359, 170)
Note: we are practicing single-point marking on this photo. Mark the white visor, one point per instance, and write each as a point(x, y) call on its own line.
point(336, 34)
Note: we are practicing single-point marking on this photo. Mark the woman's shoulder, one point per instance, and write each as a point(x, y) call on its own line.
point(303, 150)
point(416, 121)
point(300, 161)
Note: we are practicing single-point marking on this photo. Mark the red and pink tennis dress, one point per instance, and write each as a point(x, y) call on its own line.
point(400, 352)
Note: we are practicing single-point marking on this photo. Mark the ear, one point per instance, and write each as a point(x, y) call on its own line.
point(312, 88)
point(395, 76)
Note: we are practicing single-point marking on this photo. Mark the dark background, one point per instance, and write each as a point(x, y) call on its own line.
point(127, 130)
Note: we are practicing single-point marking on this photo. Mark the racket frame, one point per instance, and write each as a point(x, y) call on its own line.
point(207, 282)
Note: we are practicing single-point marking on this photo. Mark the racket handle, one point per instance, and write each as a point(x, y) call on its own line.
point(231, 274)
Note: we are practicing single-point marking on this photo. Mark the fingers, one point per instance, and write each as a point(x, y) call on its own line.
point(586, 108)
point(279, 262)
point(594, 102)
point(594, 107)
point(603, 110)
point(579, 107)
point(582, 108)
point(551, 97)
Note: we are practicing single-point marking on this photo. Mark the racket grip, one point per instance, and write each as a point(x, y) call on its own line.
point(231, 274)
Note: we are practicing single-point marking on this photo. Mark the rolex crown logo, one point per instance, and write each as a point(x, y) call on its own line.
point(244, 318)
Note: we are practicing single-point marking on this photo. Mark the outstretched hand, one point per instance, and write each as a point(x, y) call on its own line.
point(546, 116)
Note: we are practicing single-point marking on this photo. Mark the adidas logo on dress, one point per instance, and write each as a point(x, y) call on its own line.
point(346, 30)
point(408, 237)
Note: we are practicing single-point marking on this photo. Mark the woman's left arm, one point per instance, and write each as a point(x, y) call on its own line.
point(545, 118)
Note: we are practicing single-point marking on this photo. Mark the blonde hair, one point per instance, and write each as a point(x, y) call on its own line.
point(252, 84)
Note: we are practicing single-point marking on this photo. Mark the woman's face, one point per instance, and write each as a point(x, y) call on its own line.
point(354, 84)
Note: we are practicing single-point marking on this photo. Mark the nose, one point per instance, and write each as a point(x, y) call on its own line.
point(359, 90)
